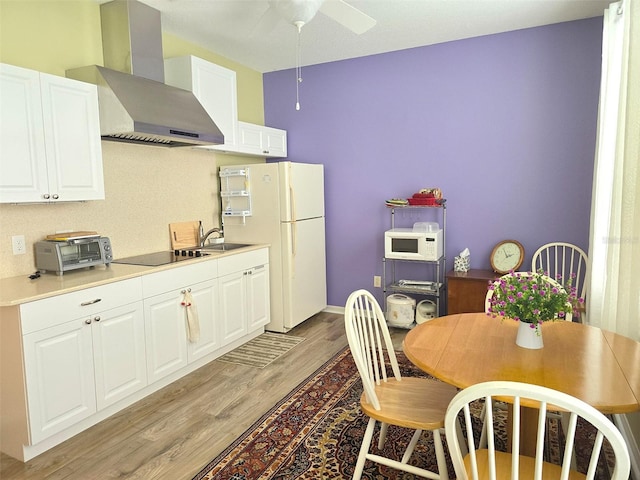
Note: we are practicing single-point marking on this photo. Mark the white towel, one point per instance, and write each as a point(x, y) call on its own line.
point(193, 324)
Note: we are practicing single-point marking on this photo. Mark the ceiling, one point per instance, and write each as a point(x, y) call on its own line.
point(234, 29)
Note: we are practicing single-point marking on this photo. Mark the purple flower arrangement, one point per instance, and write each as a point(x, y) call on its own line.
point(532, 297)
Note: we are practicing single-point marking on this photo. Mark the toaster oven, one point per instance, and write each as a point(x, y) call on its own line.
point(63, 256)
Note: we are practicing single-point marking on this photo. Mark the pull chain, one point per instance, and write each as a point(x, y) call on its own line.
point(298, 65)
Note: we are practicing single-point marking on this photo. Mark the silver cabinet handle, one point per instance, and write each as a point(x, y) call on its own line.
point(90, 302)
point(46, 196)
point(88, 321)
point(185, 291)
point(97, 318)
point(55, 196)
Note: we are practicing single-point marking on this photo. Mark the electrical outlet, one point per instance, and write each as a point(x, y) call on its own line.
point(377, 281)
point(18, 243)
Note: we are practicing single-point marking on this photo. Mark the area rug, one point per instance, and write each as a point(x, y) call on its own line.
point(262, 350)
point(316, 430)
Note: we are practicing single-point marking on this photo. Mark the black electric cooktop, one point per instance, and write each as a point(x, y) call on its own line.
point(158, 258)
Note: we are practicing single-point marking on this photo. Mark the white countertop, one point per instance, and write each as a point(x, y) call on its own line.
point(21, 289)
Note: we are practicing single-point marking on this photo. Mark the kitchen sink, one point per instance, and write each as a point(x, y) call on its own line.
point(211, 249)
point(223, 247)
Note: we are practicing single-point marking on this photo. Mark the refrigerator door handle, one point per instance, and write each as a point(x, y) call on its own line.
point(293, 238)
point(292, 198)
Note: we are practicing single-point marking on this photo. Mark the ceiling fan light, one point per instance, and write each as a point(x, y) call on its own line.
point(295, 11)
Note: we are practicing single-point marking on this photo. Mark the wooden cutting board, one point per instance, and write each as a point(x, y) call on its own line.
point(184, 234)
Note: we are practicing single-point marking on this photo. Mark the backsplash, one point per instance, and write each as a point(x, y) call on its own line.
point(146, 189)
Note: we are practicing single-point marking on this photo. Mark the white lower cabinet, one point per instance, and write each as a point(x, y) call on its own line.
point(79, 367)
point(168, 345)
point(60, 378)
point(74, 368)
point(233, 306)
point(258, 306)
point(79, 357)
point(244, 294)
point(119, 353)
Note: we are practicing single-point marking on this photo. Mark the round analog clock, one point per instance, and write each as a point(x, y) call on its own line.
point(507, 255)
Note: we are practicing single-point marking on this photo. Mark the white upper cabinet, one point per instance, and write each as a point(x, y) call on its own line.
point(216, 89)
point(262, 141)
point(50, 148)
point(214, 86)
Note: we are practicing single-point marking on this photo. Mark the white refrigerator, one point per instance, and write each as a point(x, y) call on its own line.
point(287, 212)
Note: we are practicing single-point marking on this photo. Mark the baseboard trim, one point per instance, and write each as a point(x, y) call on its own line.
point(334, 309)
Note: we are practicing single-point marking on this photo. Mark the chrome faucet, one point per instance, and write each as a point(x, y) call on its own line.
point(206, 235)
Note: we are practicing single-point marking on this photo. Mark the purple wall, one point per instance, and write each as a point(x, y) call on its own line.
point(504, 124)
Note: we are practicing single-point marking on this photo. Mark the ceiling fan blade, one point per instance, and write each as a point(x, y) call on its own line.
point(347, 15)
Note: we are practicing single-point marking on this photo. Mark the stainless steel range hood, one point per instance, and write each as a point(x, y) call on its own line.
point(135, 104)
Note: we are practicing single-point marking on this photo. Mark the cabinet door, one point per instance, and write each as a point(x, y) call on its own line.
point(274, 142)
point(233, 306)
point(72, 139)
point(258, 297)
point(59, 378)
point(250, 138)
point(205, 300)
point(165, 333)
point(119, 353)
point(216, 89)
point(23, 168)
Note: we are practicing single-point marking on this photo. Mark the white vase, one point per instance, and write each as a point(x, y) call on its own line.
point(529, 337)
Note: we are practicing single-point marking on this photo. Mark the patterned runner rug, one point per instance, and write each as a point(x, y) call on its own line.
point(316, 430)
point(262, 350)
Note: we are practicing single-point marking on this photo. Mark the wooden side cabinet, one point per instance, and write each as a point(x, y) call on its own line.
point(467, 290)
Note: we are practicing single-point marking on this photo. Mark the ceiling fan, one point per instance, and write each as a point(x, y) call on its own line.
point(301, 12)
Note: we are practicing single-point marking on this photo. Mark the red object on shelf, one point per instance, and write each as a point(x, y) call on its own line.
point(422, 201)
point(423, 195)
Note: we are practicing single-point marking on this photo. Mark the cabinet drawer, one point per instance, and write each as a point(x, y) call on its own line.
point(242, 261)
point(176, 278)
point(63, 308)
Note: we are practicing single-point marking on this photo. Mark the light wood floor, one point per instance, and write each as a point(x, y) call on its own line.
point(176, 431)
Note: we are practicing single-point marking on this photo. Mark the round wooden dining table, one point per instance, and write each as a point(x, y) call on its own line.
point(599, 367)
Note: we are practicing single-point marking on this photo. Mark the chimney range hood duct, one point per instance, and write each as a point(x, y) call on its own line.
point(135, 104)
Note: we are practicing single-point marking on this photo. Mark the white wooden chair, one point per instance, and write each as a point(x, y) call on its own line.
point(487, 463)
point(415, 403)
point(563, 261)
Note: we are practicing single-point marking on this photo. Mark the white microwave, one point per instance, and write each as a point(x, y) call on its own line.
point(408, 244)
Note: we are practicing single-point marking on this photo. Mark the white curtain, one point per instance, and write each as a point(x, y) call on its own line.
point(614, 245)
